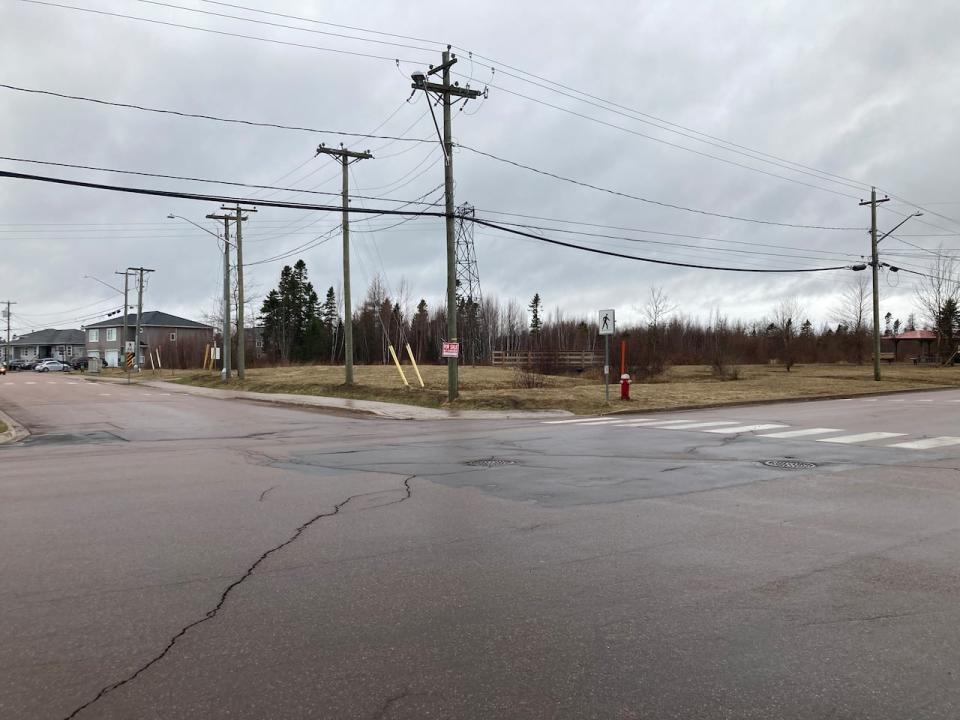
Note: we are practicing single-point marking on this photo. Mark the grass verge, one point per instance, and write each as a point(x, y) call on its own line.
point(501, 388)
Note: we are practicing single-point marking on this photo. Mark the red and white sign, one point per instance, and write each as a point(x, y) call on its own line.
point(451, 350)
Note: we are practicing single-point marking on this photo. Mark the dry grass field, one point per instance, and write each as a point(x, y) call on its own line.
point(505, 388)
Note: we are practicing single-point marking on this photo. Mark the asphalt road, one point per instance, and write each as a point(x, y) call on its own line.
point(169, 556)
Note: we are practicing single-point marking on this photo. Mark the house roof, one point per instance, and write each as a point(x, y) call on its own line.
point(151, 318)
point(51, 337)
point(916, 335)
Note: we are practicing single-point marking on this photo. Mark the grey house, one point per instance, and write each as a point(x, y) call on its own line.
point(181, 342)
point(58, 344)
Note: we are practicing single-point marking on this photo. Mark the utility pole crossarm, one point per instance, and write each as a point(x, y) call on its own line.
point(454, 90)
point(345, 158)
point(344, 153)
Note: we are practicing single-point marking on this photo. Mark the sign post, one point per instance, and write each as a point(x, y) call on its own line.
point(608, 324)
point(129, 350)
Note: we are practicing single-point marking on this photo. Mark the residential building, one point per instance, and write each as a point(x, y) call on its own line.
point(181, 342)
point(58, 344)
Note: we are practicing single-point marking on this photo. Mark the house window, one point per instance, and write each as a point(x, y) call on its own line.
point(69, 350)
point(111, 334)
point(93, 335)
point(173, 337)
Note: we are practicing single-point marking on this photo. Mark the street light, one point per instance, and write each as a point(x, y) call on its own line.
point(105, 284)
point(226, 292)
point(171, 216)
point(875, 264)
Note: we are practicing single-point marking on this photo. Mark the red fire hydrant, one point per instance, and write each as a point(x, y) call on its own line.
point(624, 387)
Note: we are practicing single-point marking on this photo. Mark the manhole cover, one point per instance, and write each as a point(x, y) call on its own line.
point(790, 464)
point(490, 462)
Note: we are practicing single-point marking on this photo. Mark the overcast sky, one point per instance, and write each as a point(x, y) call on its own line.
point(866, 91)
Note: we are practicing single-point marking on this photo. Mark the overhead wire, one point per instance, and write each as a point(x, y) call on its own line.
point(222, 33)
point(185, 178)
point(660, 203)
point(578, 95)
point(215, 118)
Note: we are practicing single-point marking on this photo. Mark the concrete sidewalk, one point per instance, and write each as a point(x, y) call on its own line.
point(393, 411)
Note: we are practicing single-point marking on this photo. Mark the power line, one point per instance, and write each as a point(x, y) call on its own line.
point(201, 116)
point(187, 178)
point(217, 32)
point(683, 147)
point(317, 22)
point(647, 200)
point(652, 260)
point(607, 105)
point(646, 231)
point(286, 27)
point(676, 244)
point(385, 211)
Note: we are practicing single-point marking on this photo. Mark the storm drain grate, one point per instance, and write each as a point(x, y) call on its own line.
point(790, 464)
point(490, 462)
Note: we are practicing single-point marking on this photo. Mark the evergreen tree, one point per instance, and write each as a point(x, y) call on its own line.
point(896, 326)
point(287, 313)
point(947, 322)
point(420, 328)
point(911, 323)
point(536, 324)
point(329, 311)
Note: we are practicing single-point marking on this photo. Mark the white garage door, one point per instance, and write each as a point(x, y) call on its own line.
point(113, 358)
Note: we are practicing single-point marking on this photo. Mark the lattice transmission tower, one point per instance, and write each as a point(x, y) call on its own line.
point(469, 294)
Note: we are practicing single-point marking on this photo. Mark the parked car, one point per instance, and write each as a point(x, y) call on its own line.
point(52, 366)
point(15, 365)
point(82, 363)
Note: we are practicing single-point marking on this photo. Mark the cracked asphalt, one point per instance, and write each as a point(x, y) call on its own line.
point(170, 556)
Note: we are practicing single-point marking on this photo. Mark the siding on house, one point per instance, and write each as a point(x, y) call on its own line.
point(181, 342)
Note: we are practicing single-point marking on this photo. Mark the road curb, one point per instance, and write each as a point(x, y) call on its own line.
point(15, 432)
point(376, 408)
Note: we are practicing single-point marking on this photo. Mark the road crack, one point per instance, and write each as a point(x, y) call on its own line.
point(212, 613)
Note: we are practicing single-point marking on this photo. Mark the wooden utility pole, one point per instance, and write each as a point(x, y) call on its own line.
point(346, 157)
point(446, 92)
point(138, 358)
point(875, 264)
point(6, 351)
point(126, 332)
point(225, 350)
point(241, 333)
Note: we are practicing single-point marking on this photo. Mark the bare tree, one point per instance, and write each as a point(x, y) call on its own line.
point(940, 285)
point(853, 312)
point(785, 325)
point(658, 307)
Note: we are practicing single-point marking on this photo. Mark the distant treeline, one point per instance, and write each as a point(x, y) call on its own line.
point(297, 327)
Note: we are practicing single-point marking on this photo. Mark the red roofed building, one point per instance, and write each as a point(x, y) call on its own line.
point(910, 344)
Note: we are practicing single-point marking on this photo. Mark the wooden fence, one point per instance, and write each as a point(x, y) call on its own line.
point(537, 358)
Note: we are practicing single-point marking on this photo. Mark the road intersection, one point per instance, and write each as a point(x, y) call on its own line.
point(174, 556)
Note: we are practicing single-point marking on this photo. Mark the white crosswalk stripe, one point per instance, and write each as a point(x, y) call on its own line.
point(862, 437)
point(697, 425)
point(928, 443)
point(577, 421)
point(745, 428)
point(779, 431)
point(801, 433)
